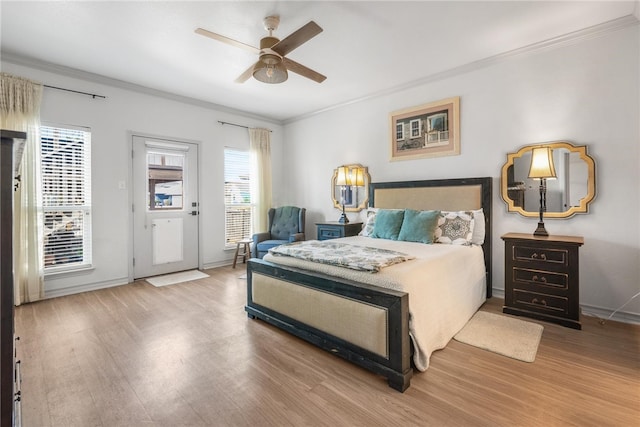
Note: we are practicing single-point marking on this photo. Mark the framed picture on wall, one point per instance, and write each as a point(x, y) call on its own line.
point(428, 130)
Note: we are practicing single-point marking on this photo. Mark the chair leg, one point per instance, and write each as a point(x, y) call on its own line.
point(235, 256)
point(247, 252)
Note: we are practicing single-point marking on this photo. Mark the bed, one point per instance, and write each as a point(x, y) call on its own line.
point(387, 322)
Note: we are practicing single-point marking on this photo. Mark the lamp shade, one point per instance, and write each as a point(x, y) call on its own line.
point(542, 163)
point(270, 72)
point(344, 177)
point(357, 177)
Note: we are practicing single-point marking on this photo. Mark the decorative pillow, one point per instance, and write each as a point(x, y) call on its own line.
point(455, 228)
point(419, 226)
point(478, 227)
point(367, 228)
point(388, 224)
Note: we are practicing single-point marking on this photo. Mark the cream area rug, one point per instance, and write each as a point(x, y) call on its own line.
point(172, 279)
point(504, 335)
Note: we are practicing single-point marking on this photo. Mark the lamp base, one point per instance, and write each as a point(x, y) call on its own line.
point(540, 231)
point(343, 218)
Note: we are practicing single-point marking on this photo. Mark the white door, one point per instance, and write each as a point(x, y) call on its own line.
point(165, 206)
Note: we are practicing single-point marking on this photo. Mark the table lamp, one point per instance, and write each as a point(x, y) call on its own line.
point(542, 168)
point(344, 181)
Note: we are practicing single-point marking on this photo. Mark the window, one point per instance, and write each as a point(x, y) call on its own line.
point(66, 197)
point(165, 173)
point(416, 128)
point(399, 131)
point(237, 196)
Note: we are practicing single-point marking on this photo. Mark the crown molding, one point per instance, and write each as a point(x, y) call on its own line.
point(553, 43)
point(27, 61)
point(532, 49)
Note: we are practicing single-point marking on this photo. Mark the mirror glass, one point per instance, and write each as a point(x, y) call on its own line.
point(355, 197)
point(569, 193)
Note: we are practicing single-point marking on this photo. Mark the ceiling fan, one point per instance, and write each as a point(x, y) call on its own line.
point(272, 64)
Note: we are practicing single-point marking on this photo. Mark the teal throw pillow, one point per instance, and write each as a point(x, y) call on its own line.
point(419, 226)
point(388, 223)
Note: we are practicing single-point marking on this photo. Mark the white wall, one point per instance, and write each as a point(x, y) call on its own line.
point(111, 120)
point(585, 93)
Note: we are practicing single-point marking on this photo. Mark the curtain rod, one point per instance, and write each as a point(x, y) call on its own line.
point(240, 126)
point(93, 95)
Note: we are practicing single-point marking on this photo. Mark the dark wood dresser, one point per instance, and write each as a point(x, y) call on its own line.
point(541, 277)
point(10, 155)
point(335, 229)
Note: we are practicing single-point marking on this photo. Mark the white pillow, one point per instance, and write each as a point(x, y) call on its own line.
point(369, 222)
point(478, 227)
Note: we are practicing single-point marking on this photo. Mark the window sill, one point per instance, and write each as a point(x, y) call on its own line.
point(69, 272)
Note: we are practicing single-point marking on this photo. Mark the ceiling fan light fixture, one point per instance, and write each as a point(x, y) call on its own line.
point(270, 58)
point(270, 73)
point(272, 65)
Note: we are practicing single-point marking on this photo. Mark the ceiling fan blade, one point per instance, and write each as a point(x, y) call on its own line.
point(245, 76)
point(227, 40)
point(303, 71)
point(298, 37)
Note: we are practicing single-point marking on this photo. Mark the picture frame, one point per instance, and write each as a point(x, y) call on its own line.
point(428, 130)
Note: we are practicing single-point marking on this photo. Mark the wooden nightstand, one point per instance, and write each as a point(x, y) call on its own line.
point(334, 229)
point(541, 277)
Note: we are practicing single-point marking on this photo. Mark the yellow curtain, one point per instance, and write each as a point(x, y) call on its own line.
point(20, 107)
point(260, 149)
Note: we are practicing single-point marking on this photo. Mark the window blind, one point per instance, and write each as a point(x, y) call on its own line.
point(237, 196)
point(66, 197)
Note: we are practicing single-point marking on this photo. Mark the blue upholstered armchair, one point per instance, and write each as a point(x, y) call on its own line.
point(286, 224)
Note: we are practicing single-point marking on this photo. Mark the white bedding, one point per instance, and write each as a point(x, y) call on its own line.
point(445, 283)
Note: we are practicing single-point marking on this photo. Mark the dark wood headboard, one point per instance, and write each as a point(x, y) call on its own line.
point(440, 194)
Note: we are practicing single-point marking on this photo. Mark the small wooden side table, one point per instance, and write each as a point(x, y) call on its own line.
point(542, 277)
point(245, 245)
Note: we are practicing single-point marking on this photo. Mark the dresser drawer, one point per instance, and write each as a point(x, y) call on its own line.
point(325, 233)
point(541, 255)
point(541, 303)
point(541, 278)
point(334, 230)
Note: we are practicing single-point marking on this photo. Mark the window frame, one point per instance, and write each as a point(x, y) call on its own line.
point(74, 201)
point(244, 208)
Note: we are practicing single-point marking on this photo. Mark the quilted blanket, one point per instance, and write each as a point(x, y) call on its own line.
point(361, 258)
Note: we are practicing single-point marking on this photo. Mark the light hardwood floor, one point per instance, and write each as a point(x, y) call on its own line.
point(187, 355)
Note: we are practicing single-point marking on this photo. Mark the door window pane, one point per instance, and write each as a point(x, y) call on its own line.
point(166, 184)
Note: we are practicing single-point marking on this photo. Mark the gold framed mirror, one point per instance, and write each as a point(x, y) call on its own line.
point(570, 193)
point(356, 196)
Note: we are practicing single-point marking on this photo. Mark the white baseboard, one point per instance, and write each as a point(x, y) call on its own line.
point(217, 264)
point(497, 293)
point(53, 293)
point(599, 312)
point(604, 313)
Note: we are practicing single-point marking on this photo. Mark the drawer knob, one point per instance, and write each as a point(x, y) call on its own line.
point(539, 302)
point(541, 279)
point(542, 256)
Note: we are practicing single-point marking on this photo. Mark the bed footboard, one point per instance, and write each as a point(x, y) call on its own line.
point(364, 324)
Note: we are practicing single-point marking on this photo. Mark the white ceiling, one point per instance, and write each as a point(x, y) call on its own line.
point(366, 48)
